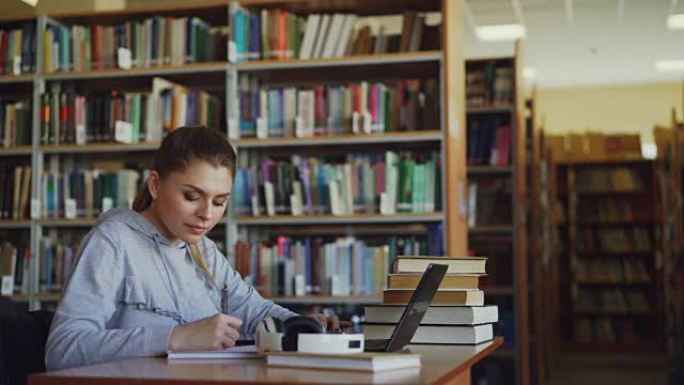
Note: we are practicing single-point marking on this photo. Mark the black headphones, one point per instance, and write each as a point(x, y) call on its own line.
point(291, 328)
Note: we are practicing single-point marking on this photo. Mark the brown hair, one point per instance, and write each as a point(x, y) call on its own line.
point(178, 149)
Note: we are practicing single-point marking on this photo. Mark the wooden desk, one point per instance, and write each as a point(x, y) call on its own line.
point(441, 364)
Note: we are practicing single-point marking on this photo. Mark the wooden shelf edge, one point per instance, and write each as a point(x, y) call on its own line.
point(98, 147)
point(389, 137)
point(331, 219)
point(15, 151)
point(205, 67)
point(378, 59)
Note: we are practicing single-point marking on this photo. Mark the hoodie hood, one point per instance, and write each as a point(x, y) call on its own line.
point(137, 222)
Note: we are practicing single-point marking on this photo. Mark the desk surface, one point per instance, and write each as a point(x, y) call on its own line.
point(440, 364)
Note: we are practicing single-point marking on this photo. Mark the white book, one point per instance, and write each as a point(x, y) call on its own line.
point(321, 35)
point(472, 204)
point(270, 198)
point(309, 36)
point(435, 315)
point(333, 37)
point(305, 114)
point(237, 352)
point(359, 362)
point(335, 206)
point(436, 334)
point(345, 37)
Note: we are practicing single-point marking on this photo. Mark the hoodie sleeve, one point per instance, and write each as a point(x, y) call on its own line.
point(244, 301)
point(79, 335)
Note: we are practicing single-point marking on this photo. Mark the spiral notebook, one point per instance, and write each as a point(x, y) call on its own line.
point(238, 352)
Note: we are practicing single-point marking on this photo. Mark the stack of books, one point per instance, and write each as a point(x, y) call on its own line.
point(457, 314)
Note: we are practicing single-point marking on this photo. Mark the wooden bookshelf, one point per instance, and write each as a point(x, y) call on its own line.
point(14, 224)
point(486, 114)
point(597, 243)
point(11, 79)
point(337, 219)
point(98, 148)
point(15, 151)
point(194, 68)
point(388, 59)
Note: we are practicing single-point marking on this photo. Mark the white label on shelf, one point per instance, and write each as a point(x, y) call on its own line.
point(7, 285)
point(35, 208)
point(123, 58)
point(107, 204)
point(80, 134)
point(299, 130)
point(299, 285)
point(233, 129)
point(70, 208)
point(16, 69)
point(123, 131)
point(355, 122)
point(367, 122)
point(262, 128)
point(232, 51)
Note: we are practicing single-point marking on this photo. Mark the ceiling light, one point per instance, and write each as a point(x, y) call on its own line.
point(529, 73)
point(669, 65)
point(675, 21)
point(500, 32)
point(31, 2)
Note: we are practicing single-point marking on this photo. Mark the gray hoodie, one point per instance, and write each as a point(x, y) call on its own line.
point(130, 286)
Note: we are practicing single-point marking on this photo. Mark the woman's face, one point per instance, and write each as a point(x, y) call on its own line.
point(190, 203)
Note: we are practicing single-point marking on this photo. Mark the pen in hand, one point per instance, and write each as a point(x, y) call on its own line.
point(224, 299)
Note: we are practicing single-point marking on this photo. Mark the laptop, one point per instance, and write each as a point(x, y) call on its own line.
point(413, 313)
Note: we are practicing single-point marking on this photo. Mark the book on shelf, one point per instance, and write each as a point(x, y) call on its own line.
point(620, 301)
point(443, 297)
point(367, 362)
point(276, 34)
point(450, 281)
point(436, 334)
point(489, 84)
point(634, 239)
point(15, 192)
point(366, 107)
point(15, 264)
point(150, 42)
point(57, 256)
point(610, 179)
point(435, 315)
point(15, 122)
point(365, 183)
point(457, 265)
point(607, 330)
point(70, 116)
point(489, 202)
point(489, 140)
point(18, 49)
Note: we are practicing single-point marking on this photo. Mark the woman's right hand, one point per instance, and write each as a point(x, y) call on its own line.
point(212, 333)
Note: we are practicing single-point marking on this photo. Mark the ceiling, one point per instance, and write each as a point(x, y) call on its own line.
point(583, 42)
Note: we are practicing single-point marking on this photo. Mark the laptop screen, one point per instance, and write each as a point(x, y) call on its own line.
point(417, 306)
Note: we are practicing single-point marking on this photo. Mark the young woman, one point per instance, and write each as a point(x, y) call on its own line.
point(148, 280)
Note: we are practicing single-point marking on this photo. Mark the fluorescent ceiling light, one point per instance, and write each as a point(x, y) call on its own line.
point(669, 65)
point(31, 2)
point(675, 21)
point(500, 32)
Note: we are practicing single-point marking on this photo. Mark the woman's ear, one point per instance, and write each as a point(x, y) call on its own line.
point(153, 181)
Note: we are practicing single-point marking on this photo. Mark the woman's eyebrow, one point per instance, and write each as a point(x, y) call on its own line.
point(199, 190)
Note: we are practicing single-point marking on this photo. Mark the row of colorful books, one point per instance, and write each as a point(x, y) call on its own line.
point(360, 184)
point(18, 50)
point(329, 109)
point(70, 116)
point(154, 41)
point(637, 238)
point(276, 34)
point(491, 84)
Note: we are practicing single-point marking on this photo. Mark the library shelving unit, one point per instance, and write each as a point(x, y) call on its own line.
point(612, 265)
point(273, 132)
point(66, 69)
point(497, 201)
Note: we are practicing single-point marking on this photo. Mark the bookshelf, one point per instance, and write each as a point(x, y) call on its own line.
point(612, 262)
point(57, 73)
point(497, 196)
